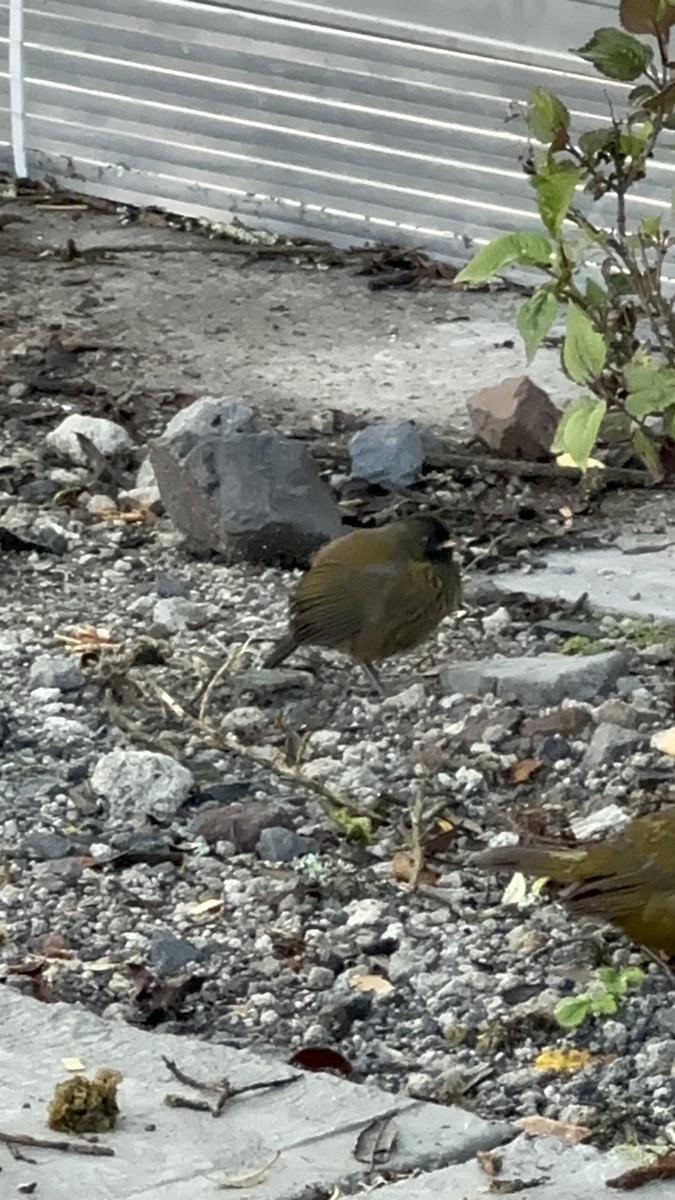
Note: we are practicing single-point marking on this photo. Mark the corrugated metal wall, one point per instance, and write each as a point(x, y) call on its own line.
point(378, 118)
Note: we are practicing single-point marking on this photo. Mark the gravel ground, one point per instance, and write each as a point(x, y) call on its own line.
point(283, 947)
point(224, 890)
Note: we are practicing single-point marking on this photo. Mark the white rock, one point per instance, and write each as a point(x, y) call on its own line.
point(141, 781)
point(497, 622)
point(107, 437)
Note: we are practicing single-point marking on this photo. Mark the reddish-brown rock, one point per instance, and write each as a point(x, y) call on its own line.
point(516, 418)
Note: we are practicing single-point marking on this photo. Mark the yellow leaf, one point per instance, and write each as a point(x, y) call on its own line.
point(564, 1061)
point(566, 460)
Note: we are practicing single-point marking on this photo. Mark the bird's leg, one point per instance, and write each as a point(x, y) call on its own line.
point(372, 675)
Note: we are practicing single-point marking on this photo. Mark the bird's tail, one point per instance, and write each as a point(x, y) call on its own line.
point(280, 652)
point(559, 865)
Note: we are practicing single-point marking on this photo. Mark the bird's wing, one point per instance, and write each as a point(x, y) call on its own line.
point(325, 611)
point(409, 603)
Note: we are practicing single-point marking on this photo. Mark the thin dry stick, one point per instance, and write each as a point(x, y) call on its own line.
point(416, 838)
point(25, 1139)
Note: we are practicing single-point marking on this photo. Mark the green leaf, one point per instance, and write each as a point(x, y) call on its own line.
point(609, 976)
point(616, 54)
point(650, 389)
point(604, 1005)
point(555, 185)
point(648, 451)
point(358, 829)
point(527, 249)
point(597, 141)
point(651, 227)
point(578, 429)
point(548, 118)
point(535, 317)
point(584, 351)
point(572, 1011)
point(619, 283)
point(633, 976)
point(637, 97)
point(596, 296)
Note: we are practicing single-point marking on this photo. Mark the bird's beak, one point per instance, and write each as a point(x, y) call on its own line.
point(449, 545)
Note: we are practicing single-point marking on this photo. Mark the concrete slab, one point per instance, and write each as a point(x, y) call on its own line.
point(632, 583)
point(547, 1168)
point(305, 1133)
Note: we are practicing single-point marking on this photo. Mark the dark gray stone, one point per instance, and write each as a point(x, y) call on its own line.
point(56, 671)
point(47, 846)
point(609, 744)
point(170, 954)
point(170, 585)
point(387, 453)
point(278, 844)
point(540, 681)
point(268, 681)
point(227, 791)
point(234, 486)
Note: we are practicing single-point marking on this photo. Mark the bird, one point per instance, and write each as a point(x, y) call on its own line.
point(627, 880)
point(373, 593)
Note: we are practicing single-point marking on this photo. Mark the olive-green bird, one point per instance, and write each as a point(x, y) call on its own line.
point(627, 880)
point(375, 592)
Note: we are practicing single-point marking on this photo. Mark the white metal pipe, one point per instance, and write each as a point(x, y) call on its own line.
point(16, 88)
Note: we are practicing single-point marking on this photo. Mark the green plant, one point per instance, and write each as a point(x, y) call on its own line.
point(601, 999)
point(578, 644)
point(604, 268)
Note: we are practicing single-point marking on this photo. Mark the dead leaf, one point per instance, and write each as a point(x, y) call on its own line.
point(523, 770)
point(134, 516)
point(87, 639)
point(547, 1127)
point(371, 983)
point(403, 869)
point(663, 1167)
point(321, 1058)
point(247, 1179)
point(55, 945)
point(515, 891)
point(489, 1162)
point(205, 908)
point(375, 1143)
point(156, 999)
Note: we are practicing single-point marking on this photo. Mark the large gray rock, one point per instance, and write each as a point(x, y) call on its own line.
point(609, 744)
point(60, 671)
point(135, 782)
point(516, 418)
point(232, 485)
point(540, 682)
point(388, 453)
point(110, 439)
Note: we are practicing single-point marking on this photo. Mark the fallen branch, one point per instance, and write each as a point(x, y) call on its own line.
point(69, 1147)
point(222, 1089)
